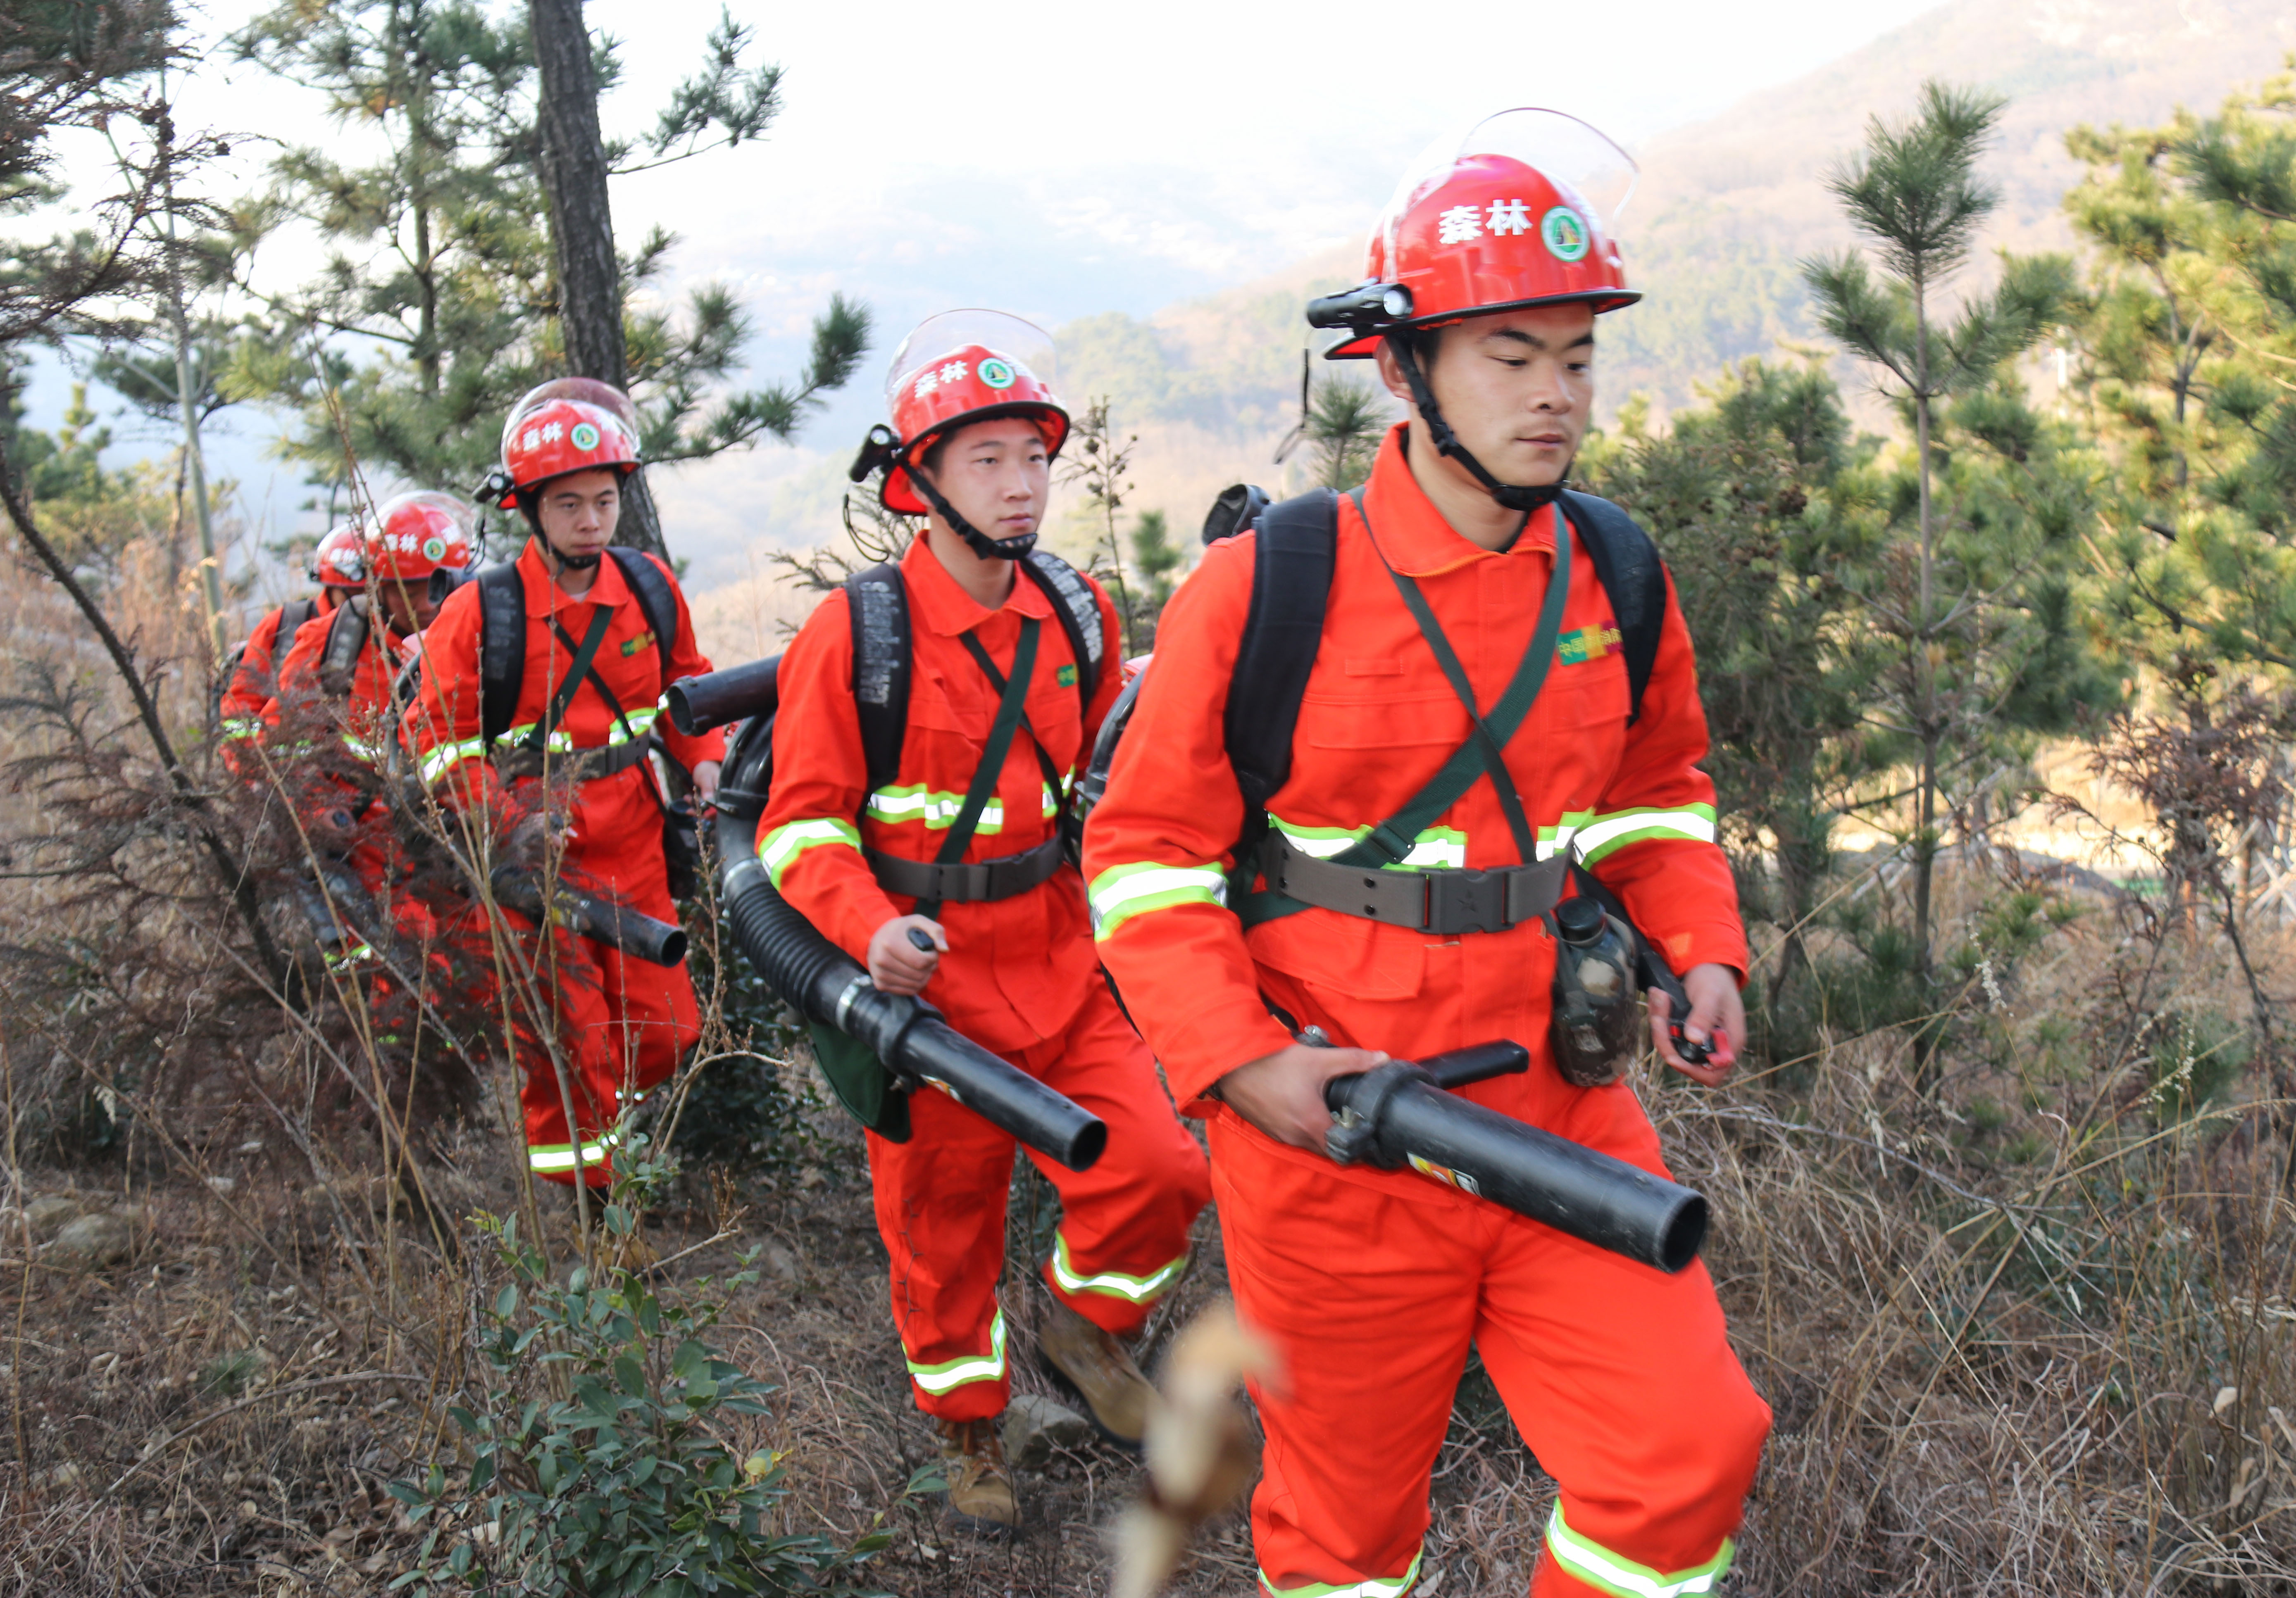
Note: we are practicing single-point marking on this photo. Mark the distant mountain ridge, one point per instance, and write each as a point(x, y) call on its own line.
point(1725, 211)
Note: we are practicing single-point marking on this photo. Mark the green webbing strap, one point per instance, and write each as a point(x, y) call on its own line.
point(1394, 837)
point(1489, 746)
point(1482, 754)
point(1009, 710)
point(583, 655)
point(596, 680)
point(996, 680)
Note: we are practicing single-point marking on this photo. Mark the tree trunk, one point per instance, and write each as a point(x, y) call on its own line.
point(1925, 667)
point(582, 227)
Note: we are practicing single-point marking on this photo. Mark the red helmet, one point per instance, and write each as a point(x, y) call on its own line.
point(590, 390)
point(339, 560)
point(956, 368)
point(553, 436)
point(416, 535)
point(1511, 215)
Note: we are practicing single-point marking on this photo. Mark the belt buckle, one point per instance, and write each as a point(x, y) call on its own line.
point(1460, 901)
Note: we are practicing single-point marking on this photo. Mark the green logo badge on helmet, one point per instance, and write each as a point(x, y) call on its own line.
point(995, 373)
point(1565, 233)
point(434, 548)
point(584, 438)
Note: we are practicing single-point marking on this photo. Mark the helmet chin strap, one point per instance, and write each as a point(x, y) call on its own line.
point(1511, 496)
point(983, 546)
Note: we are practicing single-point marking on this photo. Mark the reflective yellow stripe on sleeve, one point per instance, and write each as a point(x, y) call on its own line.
point(1121, 892)
point(782, 845)
point(1606, 834)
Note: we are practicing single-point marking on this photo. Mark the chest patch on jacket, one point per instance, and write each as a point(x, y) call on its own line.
point(1066, 676)
point(631, 646)
point(1588, 643)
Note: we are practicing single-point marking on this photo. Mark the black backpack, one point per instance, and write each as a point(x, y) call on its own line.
point(877, 606)
point(502, 631)
point(1292, 560)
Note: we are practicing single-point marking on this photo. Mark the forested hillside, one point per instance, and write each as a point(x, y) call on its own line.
point(1962, 409)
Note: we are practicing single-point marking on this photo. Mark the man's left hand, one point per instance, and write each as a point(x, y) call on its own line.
point(1717, 1016)
point(705, 782)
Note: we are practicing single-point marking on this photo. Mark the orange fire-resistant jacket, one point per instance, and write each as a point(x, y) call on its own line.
point(366, 708)
point(1017, 969)
point(1377, 721)
point(254, 683)
point(442, 725)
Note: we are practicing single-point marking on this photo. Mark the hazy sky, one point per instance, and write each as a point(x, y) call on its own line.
point(1076, 158)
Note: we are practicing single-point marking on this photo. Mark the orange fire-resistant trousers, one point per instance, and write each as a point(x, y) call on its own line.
point(1618, 1377)
point(623, 1023)
point(1123, 1236)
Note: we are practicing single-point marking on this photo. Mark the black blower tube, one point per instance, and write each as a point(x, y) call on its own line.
point(909, 1035)
point(697, 704)
point(1398, 1114)
point(617, 926)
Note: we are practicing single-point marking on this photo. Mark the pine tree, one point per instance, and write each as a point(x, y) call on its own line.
point(1913, 192)
point(1770, 517)
point(2185, 347)
point(442, 256)
point(1157, 558)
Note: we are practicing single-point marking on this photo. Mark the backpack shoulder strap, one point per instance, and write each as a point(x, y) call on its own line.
point(647, 581)
point(347, 634)
point(292, 615)
point(501, 647)
point(878, 605)
point(1293, 562)
point(1079, 609)
point(1634, 576)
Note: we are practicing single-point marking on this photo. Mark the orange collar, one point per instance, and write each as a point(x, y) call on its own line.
point(940, 605)
point(543, 596)
point(1412, 533)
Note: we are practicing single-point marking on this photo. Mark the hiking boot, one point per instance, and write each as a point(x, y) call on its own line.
point(1101, 1370)
point(980, 1488)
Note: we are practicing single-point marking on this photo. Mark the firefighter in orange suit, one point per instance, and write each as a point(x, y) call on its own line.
point(343, 666)
point(250, 676)
point(622, 1022)
point(974, 430)
point(1373, 1284)
point(417, 546)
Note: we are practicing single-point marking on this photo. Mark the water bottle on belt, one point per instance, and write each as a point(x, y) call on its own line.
point(1596, 1027)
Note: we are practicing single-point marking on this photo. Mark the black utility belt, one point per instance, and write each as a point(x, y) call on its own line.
point(968, 881)
point(1443, 900)
point(583, 764)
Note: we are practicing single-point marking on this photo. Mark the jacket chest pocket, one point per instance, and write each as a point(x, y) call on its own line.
point(968, 711)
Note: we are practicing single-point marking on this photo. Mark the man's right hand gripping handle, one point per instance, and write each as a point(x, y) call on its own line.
point(1283, 1094)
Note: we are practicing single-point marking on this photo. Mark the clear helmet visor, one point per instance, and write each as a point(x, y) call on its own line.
point(590, 390)
point(1016, 339)
point(443, 506)
point(1598, 175)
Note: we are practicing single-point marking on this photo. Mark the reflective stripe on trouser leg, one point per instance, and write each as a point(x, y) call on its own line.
point(566, 1157)
point(956, 1372)
point(1116, 1284)
point(1370, 1586)
point(1609, 1572)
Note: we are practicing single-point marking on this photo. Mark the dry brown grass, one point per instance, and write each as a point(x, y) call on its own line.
point(2031, 1334)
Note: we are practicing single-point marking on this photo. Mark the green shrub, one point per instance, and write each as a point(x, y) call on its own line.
point(600, 1465)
